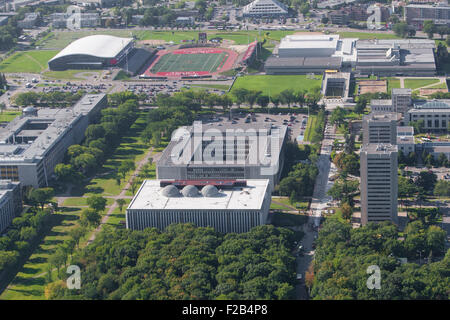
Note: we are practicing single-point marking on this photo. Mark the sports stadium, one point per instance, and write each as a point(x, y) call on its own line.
point(195, 62)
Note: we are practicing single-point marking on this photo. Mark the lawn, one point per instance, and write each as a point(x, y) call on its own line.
point(392, 83)
point(27, 61)
point(117, 216)
point(131, 148)
point(270, 85)
point(29, 283)
point(441, 85)
point(310, 127)
point(71, 74)
point(81, 202)
point(60, 39)
point(211, 86)
point(367, 35)
point(7, 116)
point(419, 83)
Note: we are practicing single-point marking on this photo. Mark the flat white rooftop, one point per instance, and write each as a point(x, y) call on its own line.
point(150, 197)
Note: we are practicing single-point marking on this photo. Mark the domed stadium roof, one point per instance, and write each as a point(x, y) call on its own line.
point(210, 191)
point(190, 191)
point(170, 191)
point(99, 45)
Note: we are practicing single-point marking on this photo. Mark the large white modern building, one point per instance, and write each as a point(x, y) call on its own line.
point(33, 144)
point(10, 202)
point(265, 8)
point(225, 205)
point(92, 52)
point(311, 54)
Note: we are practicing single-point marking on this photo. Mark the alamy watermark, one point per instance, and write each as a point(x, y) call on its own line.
point(234, 146)
point(74, 280)
point(374, 281)
point(73, 21)
point(374, 20)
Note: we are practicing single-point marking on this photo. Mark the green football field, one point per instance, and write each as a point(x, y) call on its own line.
point(189, 62)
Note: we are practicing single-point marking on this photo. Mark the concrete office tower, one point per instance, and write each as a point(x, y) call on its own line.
point(401, 100)
point(380, 128)
point(379, 183)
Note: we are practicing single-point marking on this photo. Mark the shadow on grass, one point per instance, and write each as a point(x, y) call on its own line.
point(68, 209)
point(40, 281)
point(37, 260)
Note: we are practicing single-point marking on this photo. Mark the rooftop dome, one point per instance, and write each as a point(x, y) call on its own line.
point(170, 191)
point(210, 191)
point(190, 191)
point(29, 111)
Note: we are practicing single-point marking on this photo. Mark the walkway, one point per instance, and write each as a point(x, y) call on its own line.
point(318, 203)
point(122, 194)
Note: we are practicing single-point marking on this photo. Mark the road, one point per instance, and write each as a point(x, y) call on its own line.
point(318, 203)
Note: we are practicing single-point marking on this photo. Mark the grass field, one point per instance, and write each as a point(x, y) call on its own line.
point(27, 61)
point(393, 83)
point(270, 85)
point(7, 116)
point(211, 86)
point(368, 35)
point(310, 126)
point(442, 85)
point(189, 62)
point(71, 74)
point(60, 39)
point(418, 83)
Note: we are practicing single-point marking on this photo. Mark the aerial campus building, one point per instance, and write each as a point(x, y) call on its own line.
point(265, 8)
point(297, 54)
point(229, 151)
point(380, 128)
point(401, 102)
point(302, 54)
point(33, 144)
point(225, 205)
point(379, 183)
point(434, 113)
point(414, 57)
point(417, 14)
point(10, 202)
point(92, 52)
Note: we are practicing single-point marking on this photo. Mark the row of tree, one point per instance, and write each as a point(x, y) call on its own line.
point(285, 97)
point(17, 241)
point(101, 139)
point(57, 99)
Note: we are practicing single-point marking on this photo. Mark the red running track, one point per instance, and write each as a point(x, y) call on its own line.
point(224, 66)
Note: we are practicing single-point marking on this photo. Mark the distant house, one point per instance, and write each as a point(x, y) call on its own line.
point(184, 21)
point(30, 21)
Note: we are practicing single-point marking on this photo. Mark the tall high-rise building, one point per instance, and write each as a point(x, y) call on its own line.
point(380, 128)
point(379, 183)
point(401, 100)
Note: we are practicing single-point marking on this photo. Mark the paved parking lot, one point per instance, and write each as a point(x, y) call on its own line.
point(295, 126)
